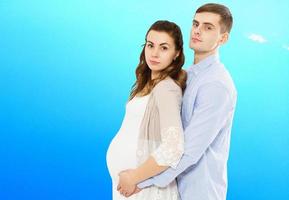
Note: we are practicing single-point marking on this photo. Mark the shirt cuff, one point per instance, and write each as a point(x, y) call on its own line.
point(146, 183)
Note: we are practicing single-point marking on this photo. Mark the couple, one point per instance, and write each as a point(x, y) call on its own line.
point(174, 140)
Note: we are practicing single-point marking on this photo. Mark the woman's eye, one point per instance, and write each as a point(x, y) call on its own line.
point(164, 48)
point(149, 45)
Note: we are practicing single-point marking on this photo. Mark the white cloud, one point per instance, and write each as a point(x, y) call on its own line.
point(257, 38)
point(286, 47)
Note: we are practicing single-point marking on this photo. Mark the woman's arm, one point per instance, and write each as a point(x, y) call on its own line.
point(168, 97)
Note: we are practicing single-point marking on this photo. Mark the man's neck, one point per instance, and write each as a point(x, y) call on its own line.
point(199, 56)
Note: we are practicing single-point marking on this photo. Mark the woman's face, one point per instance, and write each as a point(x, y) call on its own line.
point(159, 51)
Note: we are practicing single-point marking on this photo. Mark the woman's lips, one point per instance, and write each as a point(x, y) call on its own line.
point(154, 62)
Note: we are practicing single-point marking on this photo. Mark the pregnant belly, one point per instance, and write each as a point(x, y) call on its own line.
point(121, 154)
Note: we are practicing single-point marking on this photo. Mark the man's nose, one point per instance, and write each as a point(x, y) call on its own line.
point(197, 30)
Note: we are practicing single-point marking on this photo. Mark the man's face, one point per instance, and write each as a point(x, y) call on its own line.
point(206, 33)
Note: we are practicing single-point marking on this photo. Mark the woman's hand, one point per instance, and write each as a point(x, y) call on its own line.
point(127, 185)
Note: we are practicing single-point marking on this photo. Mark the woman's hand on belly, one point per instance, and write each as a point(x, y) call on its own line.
point(127, 186)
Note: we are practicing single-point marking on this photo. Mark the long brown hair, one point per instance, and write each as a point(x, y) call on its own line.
point(144, 84)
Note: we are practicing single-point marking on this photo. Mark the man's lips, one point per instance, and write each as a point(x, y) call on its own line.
point(196, 40)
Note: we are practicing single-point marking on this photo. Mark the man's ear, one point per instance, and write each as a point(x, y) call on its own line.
point(224, 38)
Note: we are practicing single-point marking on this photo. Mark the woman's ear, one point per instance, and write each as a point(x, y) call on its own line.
point(178, 53)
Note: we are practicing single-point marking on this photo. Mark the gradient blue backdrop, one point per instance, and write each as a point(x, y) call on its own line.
point(66, 68)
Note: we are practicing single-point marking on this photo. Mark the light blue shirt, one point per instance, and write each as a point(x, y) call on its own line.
point(207, 113)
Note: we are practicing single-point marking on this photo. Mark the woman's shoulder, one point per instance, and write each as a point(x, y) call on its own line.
point(168, 84)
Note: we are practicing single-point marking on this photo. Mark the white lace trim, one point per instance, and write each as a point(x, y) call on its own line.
point(155, 193)
point(171, 148)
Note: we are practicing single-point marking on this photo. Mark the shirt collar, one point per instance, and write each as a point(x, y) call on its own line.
point(204, 64)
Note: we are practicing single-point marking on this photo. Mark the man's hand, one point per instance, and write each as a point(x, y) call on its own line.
point(126, 185)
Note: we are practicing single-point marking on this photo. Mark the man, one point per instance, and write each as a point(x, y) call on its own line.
point(207, 112)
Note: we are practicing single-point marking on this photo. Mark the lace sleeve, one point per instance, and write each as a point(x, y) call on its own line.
point(171, 149)
point(169, 97)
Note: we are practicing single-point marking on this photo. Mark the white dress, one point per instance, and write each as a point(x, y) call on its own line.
point(122, 154)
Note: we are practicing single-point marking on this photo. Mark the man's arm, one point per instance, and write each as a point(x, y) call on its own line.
point(213, 105)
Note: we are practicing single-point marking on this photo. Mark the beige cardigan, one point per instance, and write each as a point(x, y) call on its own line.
point(161, 131)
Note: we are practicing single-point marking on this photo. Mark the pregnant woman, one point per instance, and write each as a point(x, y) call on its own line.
point(151, 136)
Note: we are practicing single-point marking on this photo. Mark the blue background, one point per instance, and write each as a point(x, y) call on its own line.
point(66, 69)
